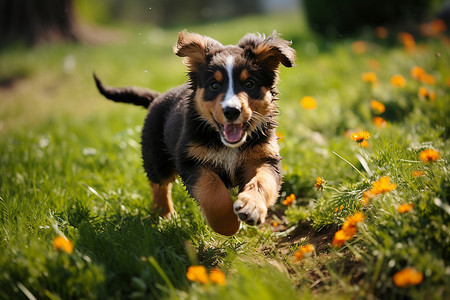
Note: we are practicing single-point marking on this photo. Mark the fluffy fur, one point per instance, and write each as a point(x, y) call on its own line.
point(217, 131)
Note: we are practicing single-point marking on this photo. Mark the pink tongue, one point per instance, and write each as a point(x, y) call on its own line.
point(233, 132)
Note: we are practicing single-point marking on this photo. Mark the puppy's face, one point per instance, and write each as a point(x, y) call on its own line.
point(234, 85)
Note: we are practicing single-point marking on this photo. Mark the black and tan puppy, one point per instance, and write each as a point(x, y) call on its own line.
point(217, 131)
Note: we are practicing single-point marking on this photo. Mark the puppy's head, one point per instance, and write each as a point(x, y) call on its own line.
point(234, 86)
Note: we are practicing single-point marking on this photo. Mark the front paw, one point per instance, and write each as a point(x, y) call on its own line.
point(250, 208)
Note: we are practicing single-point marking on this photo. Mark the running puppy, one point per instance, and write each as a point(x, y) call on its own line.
point(217, 131)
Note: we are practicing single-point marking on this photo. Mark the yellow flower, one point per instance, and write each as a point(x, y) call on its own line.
point(379, 122)
point(60, 243)
point(303, 251)
point(383, 185)
point(378, 106)
point(405, 207)
point(398, 80)
point(360, 136)
point(197, 273)
point(217, 276)
point(369, 77)
point(408, 276)
point(280, 136)
point(319, 183)
point(289, 200)
point(429, 155)
point(308, 102)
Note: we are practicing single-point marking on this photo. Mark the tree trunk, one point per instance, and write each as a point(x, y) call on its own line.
point(36, 21)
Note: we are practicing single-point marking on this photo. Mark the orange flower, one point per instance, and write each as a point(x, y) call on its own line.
point(289, 200)
point(407, 40)
point(303, 251)
point(426, 94)
point(197, 273)
point(429, 79)
point(339, 208)
point(378, 106)
point(433, 28)
point(379, 122)
point(408, 276)
point(60, 243)
point(405, 207)
point(359, 47)
point(319, 183)
point(348, 229)
point(447, 82)
point(367, 196)
point(360, 136)
point(429, 155)
point(398, 80)
point(340, 237)
point(217, 276)
point(364, 144)
point(373, 64)
point(383, 185)
point(418, 173)
point(369, 77)
point(308, 102)
point(381, 32)
point(275, 224)
point(417, 73)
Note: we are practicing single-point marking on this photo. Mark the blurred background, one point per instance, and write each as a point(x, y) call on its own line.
point(32, 22)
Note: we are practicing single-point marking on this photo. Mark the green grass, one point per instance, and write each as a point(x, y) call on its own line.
point(71, 166)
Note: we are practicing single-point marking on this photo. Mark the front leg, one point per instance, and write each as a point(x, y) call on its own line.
point(214, 199)
point(262, 184)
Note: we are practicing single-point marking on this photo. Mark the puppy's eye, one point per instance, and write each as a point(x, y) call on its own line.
point(215, 85)
point(249, 84)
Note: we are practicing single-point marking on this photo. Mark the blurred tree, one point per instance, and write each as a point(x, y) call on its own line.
point(35, 21)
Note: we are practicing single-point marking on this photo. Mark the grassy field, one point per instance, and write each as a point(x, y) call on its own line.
point(378, 223)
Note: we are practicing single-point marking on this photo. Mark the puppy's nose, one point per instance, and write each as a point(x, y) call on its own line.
point(231, 113)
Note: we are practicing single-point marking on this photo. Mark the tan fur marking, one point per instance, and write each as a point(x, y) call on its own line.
point(244, 75)
point(218, 76)
point(216, 203)
point(162, 199)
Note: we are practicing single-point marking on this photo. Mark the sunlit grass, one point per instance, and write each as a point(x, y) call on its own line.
point(71, 167)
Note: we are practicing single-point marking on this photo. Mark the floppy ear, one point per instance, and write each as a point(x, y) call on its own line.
point(269, 51)
point(194, 48)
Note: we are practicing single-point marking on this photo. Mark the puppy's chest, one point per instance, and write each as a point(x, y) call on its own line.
point(226, 159)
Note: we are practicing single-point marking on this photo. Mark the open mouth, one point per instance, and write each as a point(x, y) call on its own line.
point(233, 134)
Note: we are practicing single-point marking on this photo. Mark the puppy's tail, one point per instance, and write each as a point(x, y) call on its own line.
point(133, 95)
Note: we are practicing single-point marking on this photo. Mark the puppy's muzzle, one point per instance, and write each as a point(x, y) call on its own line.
point(231, 113)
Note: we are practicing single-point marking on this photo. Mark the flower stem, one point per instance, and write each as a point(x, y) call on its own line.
point(359, 172)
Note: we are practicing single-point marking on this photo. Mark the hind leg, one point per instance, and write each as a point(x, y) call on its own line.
point(162, 199)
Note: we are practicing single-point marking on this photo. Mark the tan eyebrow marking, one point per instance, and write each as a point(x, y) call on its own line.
point(218, 76)
point(244, 75)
